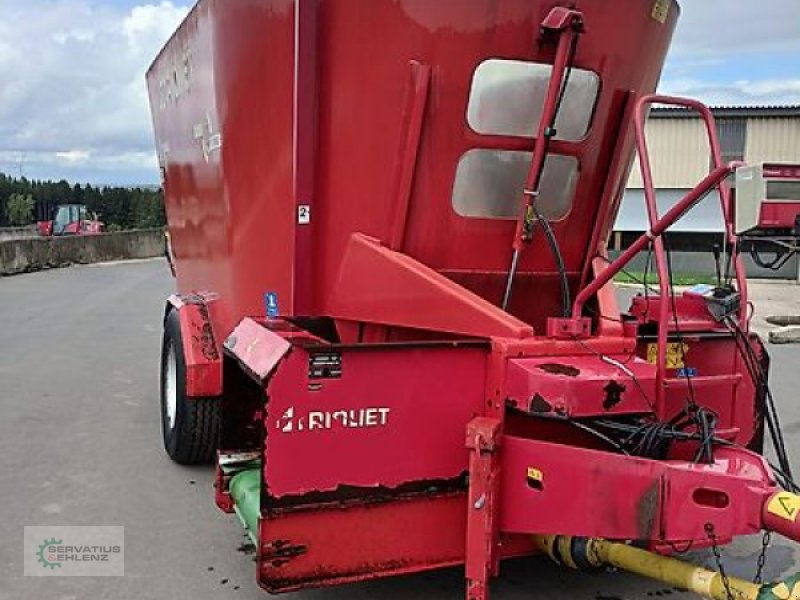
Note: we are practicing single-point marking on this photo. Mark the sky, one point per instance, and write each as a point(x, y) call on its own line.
point(73, 102)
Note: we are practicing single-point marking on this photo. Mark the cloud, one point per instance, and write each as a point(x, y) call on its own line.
point(736, 53)
point(725, 28)
point(74, 156)
point(73, 101)
point(765, 92)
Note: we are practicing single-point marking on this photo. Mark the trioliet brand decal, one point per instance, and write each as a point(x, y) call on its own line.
point(312, 420)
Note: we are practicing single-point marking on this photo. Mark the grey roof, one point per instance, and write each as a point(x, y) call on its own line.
point(672, 112)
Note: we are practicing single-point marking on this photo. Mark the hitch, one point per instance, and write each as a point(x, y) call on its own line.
point(779, 513)
point(593, 553)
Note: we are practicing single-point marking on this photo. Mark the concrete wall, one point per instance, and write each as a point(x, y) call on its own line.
point(18, 233)
point(20, 256)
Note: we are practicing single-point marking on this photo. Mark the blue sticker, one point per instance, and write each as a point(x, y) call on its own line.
point(271, 302)
point(701, 289)
point(687, 372)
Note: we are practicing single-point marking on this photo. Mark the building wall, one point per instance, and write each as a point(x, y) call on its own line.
point(680, 158)
point(679, 152)
point(773, 140)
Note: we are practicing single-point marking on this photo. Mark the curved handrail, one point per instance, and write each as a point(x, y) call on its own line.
point(716, 178)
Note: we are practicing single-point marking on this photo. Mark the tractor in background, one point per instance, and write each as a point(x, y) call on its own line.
point(70, 219)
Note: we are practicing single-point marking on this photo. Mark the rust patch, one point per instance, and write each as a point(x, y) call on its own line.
point(345, 495)
point(647, 510)
point(247, 548)
point(205, 336)
point(559, 369)
point(318, 577)
point(207, 344)
point(540, 405)
point(614, 391)
point(279, 552)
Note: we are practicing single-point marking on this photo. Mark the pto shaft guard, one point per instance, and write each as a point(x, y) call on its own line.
point(591, 553)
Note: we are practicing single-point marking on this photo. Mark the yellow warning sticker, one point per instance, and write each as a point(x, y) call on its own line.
point(675, 355)
point(782, 591)
point(535, 474)
point(661, 10)
point(785, 505)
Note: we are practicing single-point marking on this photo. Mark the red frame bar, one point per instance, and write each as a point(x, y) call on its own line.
point(305, 145)
point(663, 500)
point(669, 219)
point(414, 110)
point(662, 265)
point(716, 178)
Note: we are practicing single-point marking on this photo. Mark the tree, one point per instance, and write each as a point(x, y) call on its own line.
point(19, 209)
point(118, 207)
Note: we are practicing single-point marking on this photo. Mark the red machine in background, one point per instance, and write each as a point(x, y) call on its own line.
point(396, 331)
point(70, 219)
point(767, 216)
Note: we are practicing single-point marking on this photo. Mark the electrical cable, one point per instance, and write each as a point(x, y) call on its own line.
point(622, 367)
point(653, 439)
point(597, 434)
point(549, 234)
point(705, 420)
point(759, 379)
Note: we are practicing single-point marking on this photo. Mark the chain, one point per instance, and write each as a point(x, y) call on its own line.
point(718, 559)
point(762, 557)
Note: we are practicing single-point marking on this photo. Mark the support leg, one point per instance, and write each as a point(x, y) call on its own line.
point(483, 438)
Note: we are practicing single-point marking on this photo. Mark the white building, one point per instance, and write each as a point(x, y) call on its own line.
point(680, 158)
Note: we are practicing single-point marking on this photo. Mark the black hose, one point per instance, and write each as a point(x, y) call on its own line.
point(782, 256)
point(549, 234)
point(759, 378)
point(550, 132)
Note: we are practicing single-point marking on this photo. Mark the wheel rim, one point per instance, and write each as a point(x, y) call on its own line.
point(171, 387)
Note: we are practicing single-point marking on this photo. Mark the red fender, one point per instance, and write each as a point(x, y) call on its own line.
point(200, 346)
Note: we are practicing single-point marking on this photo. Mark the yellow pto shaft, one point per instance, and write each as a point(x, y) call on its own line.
point(589, 552)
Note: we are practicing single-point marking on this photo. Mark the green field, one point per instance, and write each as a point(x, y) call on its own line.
point(652, 278)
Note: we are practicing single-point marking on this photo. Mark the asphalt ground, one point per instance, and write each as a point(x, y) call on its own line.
point(80, 445)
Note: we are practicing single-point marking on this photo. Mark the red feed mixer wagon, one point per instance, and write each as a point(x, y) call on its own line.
point(396, 332)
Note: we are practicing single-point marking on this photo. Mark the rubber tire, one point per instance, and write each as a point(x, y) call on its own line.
point(194, 437)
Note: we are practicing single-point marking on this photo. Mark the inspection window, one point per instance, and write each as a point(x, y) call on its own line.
point(507, 99)
point(489, 184)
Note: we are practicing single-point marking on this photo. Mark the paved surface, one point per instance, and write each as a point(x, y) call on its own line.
point(773, 299)
point(80, 445)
